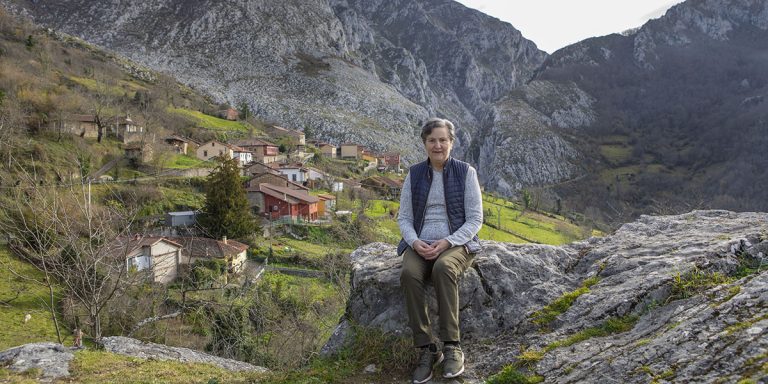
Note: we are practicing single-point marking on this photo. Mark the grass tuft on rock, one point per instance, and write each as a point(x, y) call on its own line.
point(549, 313)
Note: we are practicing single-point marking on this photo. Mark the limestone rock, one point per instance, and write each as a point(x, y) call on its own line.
point(51, 359)
point(145, 350)
point(718, 333)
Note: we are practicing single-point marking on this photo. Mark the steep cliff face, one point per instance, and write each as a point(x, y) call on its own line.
point(367, 72)
point(683, 298)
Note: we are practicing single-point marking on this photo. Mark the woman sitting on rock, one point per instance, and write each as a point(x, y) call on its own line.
point(440, 215)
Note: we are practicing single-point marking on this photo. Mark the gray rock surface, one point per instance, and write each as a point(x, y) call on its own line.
point(720, 332)
point(145, 350)
point(51, 359)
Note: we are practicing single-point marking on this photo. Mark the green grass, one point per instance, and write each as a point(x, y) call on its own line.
point(381, 208)
point(609, 327)
point(104, 367)
point(31, 300)
point(529, 225)
point(549, 313)
point(214, 123)
point(695, 282)
point(180, 161)
point(615, 154)
point(97, 86)
point(490, 233)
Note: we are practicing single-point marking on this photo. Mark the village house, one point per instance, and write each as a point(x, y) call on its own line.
point(216, 148)
point(326, 205)
point(389, 161)
point(158, 256)
point(365, 154)
point(139, 152)
point(277, 179)
point(257, 168)
point(228, 114)
point(286, 203)
point(384, 186)
point(349, 151)
point(256, 197)
point(202, 248)
point(213, 149)
point(294, 172)
point(181, 144)
point(126, 130)
point(80, 125)
point(242, 155)
point(328, 150)
point(263, 151)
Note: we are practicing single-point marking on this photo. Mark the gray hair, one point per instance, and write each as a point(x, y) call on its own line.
point(435, 122)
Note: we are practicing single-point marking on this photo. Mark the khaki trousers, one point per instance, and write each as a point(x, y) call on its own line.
point(444, 272)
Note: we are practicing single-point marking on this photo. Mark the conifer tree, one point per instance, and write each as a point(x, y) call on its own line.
point(226, 211)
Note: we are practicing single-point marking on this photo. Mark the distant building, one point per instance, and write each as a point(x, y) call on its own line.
point(141, 152)
point(181, 144)
point(349, 151)
point(126, 130)
point(158, 256)
point(228, 114)
point(181, 219)
point(202, 248)
point(328, 150)
point(282, 202)
point(263, 151)
point(215, 148)
point(295, 172)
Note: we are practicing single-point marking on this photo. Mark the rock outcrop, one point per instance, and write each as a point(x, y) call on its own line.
point(691, 288)
point(51, 359)
point(146, 350)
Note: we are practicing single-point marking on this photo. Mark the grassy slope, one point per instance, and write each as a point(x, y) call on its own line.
point(214, 123)
point(32, 300)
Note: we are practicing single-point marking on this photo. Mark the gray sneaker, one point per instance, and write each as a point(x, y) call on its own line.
point(454, 361)
point(428, 360)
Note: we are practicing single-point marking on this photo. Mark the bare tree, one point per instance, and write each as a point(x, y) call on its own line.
point(75, 243)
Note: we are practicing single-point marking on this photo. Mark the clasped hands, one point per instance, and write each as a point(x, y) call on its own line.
point(431, 251)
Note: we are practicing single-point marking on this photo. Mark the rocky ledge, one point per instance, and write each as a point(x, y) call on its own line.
point(53, 359)
point(673, 298)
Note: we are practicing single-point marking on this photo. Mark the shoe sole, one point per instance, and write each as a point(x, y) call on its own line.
point(452, 375)
point(442, 357)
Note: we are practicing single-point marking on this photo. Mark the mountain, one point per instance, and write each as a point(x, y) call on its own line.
point(665, 118)
point(367, 72)
point(679, 108)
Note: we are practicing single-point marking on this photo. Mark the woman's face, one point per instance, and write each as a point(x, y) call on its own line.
point(438, 145)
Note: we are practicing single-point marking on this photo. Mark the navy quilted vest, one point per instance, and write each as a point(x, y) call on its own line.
point(454, 178)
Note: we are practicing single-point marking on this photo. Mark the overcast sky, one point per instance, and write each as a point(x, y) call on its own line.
point(553, 24)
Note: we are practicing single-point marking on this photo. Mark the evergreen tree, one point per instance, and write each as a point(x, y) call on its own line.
point(226, 211)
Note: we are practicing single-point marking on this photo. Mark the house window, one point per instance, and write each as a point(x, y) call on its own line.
point(294, 177)
point(205, 153)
